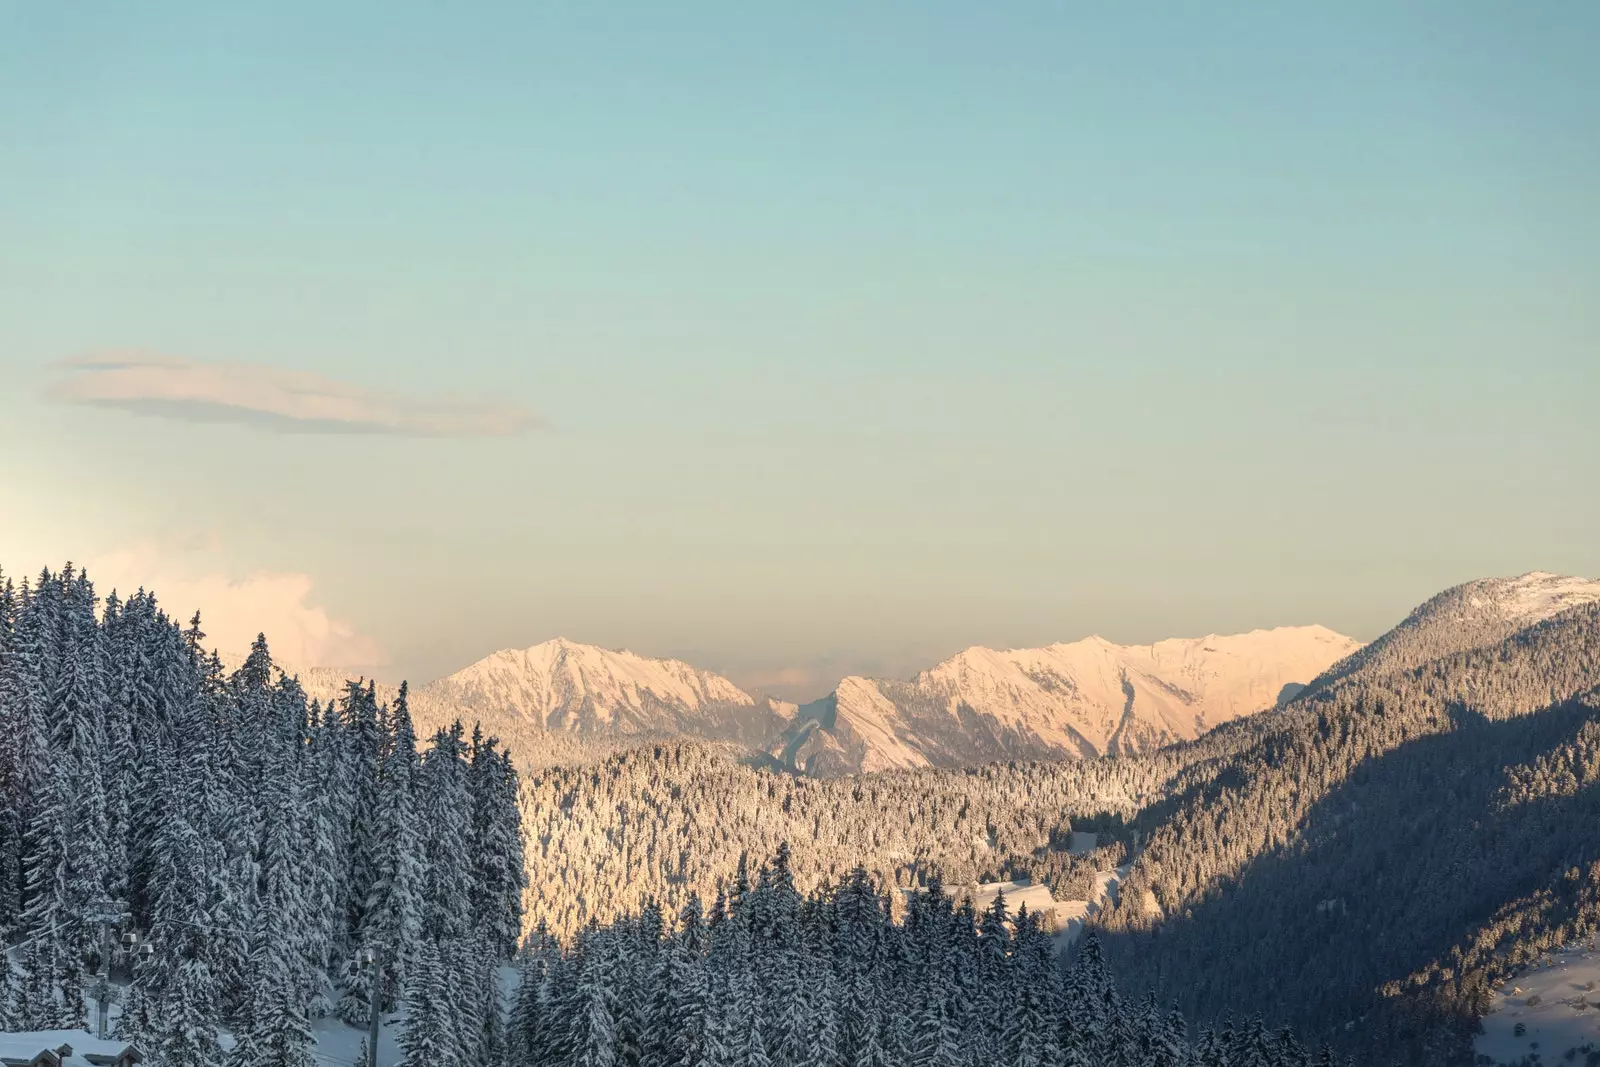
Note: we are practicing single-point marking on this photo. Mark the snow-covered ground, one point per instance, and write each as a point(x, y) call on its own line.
point(337, 1044)
point(1072, 914)
point(1069, 915)
point(1036, 898)
point(1558, 1005)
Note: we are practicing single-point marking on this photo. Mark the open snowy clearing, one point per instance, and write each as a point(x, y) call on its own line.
point(1072, 914)
point(1558, 1005)
point(1068, 916)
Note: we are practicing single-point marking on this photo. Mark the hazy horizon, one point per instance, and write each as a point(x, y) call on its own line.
point(796, 344)
point(815, 682)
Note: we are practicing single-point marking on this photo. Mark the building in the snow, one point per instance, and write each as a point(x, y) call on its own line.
point(64, 1048)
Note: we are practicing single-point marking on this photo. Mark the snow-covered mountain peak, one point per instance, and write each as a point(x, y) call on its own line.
point(1077, 698)
point(560, 680)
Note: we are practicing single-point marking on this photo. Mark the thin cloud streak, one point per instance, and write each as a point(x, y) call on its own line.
point(275, 399)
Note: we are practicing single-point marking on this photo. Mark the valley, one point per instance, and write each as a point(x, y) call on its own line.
point(1262, 837)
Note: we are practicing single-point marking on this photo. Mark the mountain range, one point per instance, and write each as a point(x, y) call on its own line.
point(1085, 698)
point(1068, 700)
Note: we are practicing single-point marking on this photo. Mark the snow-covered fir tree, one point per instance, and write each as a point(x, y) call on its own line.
point(255, 841)
point(869, 990)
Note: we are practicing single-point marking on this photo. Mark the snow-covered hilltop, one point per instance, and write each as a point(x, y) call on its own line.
point(1472, 615)
point(1085, 698)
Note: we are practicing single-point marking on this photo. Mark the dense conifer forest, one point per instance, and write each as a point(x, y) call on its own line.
point(258, 843)
point(769, 975)
point(674, 819)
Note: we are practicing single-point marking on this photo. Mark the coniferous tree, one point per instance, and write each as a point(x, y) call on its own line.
point(13, 1003)
point(67, 845)
point(428, 1033)
point(393, 916)
point(594, 1024)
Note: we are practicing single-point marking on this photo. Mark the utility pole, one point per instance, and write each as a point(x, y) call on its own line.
point(378, 962)
point(103, 1008)
point(105, 914)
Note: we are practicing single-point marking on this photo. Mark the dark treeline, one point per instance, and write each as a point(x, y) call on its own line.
point(1366, 864)
point(769, 977)
point(258, 842)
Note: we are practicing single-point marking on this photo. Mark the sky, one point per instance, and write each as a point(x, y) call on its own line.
point(796, 340)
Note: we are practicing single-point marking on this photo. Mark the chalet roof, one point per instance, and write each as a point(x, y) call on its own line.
point(64, 1048)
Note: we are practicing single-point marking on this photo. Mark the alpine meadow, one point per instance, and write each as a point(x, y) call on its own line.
point(800, 535)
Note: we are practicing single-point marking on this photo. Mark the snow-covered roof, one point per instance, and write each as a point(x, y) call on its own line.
point(46, 1047)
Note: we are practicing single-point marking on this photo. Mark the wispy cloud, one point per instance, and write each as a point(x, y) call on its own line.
point(272, 398)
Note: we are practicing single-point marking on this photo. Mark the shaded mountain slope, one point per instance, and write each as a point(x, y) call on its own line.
point(1366, 862)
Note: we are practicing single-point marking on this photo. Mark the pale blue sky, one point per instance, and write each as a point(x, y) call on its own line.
point(859, 332)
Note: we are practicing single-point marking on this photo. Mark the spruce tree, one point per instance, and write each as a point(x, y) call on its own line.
point(13, 1002)
point(428, 1033)
point(393, 916)
point(594, 1035)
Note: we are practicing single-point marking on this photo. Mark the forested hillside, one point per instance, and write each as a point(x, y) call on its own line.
point(671, 820)
point(771, 976)
point(1362, 863)
point(258, 843)
point(1365, 863)
point(279, 856)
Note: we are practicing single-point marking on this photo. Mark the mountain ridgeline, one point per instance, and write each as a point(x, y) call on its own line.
point(1077, 700)
point(558, 699)
point(1474, 615)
